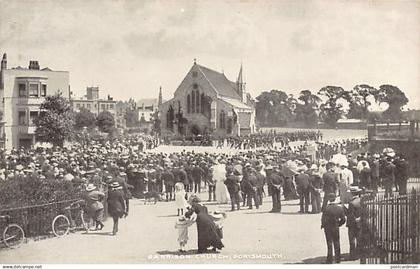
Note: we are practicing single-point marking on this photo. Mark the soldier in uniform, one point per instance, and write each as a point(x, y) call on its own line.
point(169, 181)
point(332, 218)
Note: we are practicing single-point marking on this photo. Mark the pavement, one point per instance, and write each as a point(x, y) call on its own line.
point(148, 235)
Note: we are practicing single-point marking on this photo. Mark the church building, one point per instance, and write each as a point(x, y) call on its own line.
point(206, 102)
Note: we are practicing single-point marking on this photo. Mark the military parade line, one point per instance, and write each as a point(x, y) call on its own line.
point(325, 176)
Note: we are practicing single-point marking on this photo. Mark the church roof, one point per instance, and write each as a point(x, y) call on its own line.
point(236, 103)
point(221, 84)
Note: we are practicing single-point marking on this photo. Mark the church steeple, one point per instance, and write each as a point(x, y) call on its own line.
point(160, 97)
point(241, 86)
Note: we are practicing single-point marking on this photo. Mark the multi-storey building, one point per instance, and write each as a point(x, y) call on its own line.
point(94, 103)
point(22, 91)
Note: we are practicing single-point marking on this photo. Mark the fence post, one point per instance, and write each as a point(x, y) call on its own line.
point(414, 223)
point(364, 233)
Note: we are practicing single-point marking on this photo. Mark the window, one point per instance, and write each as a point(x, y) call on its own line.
point(22, 117)
point(22, 90)
point(222, 120)
point(33, 90)
point(88, 106)
point(195, 86)
point(44, 90)
point(197, 102)
point(189, 104)
point(32, 116)
point(103, 106)
point(193, 102)
point(111, 106)
point(194, 74)
point(202, 101)
point(78, 105)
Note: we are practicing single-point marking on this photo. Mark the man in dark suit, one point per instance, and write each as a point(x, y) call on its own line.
point(232, 185)
point(332, 218)
point(275, 181)
point(388, 177)
point(353, 224)
point(330, 183)
point(302, 186)
point(401, 175)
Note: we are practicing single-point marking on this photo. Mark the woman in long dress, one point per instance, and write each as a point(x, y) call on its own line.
point(219, 176)
point(207, 231)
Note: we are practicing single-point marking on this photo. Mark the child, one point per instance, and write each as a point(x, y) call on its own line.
point(218, 218)
point(180, 201)
point(182, 225)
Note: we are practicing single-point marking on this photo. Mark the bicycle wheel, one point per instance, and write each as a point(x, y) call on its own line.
point(60, 226)
point(13, 236)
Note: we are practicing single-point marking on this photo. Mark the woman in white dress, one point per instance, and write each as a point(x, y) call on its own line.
point(219, 176)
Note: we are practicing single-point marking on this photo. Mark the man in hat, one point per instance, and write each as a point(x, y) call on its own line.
point(353, 214)
point(388, 176)
point(315, 185)
point(302, 186)
point(95, 208)
point(332, 218)
point(330, 183)
point(401, 175)
point(275, 182)
point(375, 166)
point(197, 175)
point(169, 181)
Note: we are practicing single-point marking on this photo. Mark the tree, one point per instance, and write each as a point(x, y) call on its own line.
point(394, 97)
point(332, 110)
point(358, 103)
point(306, 110)
point(132, 118)
point(56, 121)
point(85, 118)
point(106, 122)
point(274, 108)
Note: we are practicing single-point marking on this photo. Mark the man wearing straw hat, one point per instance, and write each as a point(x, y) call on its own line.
point(332, 218)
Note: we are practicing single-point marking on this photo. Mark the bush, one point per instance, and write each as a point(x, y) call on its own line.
point(31, 190)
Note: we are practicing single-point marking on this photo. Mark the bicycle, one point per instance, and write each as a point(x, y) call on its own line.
point(74, 218)
point(13, 234)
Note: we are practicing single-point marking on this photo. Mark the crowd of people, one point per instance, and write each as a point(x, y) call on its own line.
point(242, 178)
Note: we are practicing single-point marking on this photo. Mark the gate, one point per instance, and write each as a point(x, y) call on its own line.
point(390, 229)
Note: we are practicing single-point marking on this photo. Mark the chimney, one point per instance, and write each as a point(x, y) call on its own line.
point(33, 65)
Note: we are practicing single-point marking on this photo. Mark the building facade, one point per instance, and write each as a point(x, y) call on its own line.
point(206, 102)
point(93, 103)
point(22, 91)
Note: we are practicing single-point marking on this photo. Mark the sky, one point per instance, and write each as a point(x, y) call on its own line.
point(131, 48)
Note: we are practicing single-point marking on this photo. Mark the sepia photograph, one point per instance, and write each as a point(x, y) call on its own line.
point(209, 132)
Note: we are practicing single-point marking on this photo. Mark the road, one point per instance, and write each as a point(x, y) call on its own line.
point(148, 235)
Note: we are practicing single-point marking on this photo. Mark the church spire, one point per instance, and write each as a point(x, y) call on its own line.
point(241, 86)
point(160, 97)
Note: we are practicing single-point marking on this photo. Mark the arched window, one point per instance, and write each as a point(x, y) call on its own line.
point(189, 104)
point(193, 102)
point(203, 104)
point(222, 120)
point(197, 101)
